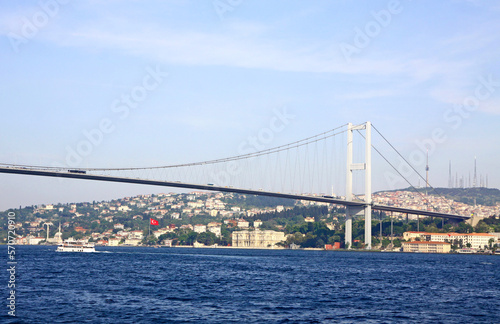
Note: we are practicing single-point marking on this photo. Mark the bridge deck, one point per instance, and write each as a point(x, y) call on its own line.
point(71, 175)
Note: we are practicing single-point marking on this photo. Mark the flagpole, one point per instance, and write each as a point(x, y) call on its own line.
point(149, 227)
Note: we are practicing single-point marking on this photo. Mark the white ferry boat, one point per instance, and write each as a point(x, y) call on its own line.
point(75, 246)
point(466, 251)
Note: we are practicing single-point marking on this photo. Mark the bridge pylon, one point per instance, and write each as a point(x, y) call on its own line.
point(367, 167)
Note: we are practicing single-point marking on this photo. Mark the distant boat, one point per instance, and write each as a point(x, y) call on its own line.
point(75, 246)
point(466, 251)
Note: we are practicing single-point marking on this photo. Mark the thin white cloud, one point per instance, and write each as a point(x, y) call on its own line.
point(248, 44)
point(370, 94)
point(490, 106)
point(230, 49)
point(484, 35)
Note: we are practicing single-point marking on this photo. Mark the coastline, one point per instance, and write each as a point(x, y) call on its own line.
point(263, 248)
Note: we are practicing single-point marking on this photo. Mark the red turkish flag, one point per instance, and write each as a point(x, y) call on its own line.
point(153, 222)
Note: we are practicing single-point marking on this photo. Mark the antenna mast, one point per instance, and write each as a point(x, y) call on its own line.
point(450, 181)
point(475, 173)
point(427, 173)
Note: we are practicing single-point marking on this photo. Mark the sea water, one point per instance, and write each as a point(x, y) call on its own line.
point(186, 285)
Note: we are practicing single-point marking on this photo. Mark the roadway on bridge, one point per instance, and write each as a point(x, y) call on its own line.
point(325, 199)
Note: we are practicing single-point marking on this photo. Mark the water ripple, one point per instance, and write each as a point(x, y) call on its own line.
point(141, 285)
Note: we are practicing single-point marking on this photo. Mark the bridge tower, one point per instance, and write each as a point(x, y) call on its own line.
point(367, 167)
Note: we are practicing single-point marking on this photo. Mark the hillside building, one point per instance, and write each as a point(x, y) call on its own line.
point(476, 240)
point(426, 247)
point(257, 238)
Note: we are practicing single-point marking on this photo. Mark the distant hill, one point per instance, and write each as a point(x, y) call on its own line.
point(483, 196)
point(259, 201)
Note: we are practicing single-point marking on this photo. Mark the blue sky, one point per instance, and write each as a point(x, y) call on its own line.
point(223, 67)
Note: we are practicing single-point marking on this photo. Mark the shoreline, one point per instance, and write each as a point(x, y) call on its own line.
point(262, 248)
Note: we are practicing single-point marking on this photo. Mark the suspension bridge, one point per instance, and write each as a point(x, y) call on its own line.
point(306, 170)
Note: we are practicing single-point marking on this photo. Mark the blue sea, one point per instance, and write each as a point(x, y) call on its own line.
point(184, 285)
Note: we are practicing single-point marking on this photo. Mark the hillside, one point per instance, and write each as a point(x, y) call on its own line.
point(208, 218)
point(483, 196)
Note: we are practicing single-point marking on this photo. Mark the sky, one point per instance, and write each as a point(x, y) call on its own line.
point(144, 83)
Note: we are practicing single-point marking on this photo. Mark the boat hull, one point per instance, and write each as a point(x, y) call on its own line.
point(75, 249)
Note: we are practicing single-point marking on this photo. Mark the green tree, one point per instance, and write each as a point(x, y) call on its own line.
point(150, 240)
point(482, 227)
point(207, 238)
point(431, 228)
point(296, 238)
point(334, 238)
point(187, 237)
point(464, 228)
point(320, 243)
point(490, 243)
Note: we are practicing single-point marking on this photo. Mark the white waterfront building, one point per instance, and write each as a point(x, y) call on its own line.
point(257, 238)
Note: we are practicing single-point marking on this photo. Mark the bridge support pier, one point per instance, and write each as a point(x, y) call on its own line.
point(368, 227)
point(367, 167)
point(348, 228)
point(351, 211)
